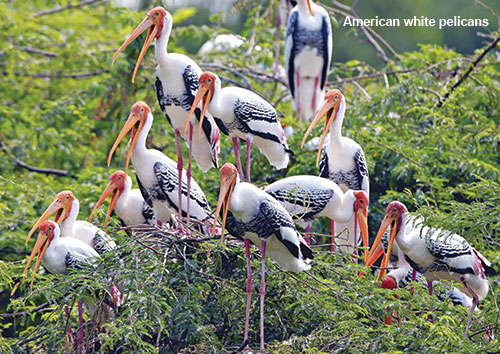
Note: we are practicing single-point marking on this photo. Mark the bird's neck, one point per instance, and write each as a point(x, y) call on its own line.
point(162, 42)
point(215, 106)
point(140, 146)
point(68, 223)
point(336, 127)
point(345, 211)
point(401, 237)
point(122, 200)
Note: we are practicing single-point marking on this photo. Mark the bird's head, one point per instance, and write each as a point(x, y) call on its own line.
point(206, 88)
point(115, 187)
point(61, 206)
point(330, 108)
point(228, 178)
point(47, 231)
point(393, 219)
point(361, 210)
point(135, 122)
point(154, 21)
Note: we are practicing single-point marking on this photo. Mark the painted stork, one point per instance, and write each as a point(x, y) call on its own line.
point(176, 83)
point(130, 206)
point(255, 216)
point(243, 114)
point(308, 53)
point(438, 254)
point(342, 159)
point(309, 197)
point(66, 207)
point(156, 173)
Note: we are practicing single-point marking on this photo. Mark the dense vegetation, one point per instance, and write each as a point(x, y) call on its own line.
point(431, 135)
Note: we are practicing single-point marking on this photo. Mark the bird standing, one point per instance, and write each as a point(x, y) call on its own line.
point(309, 197)
point(241, 113)
point(66, 207)
point(129, 203)
point(308, 52)
point(176, 83)
point(255, 216)
point(342, 159)
point(156, 173)
point(438, 254)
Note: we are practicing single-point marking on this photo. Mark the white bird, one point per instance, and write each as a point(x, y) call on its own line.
point(342, 159)
point(255, 216)
point(156, 173)
point(309, 197)
point(437, 254)
point(243, 114)
point(308, 53)
point(129, 203)
point(67, 207)
point(176, 83)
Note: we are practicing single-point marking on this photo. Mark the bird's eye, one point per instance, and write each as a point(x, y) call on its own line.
point(142, 109)
point(50, 228)
point(157, 13)
point(67, 197)
point(210, 80)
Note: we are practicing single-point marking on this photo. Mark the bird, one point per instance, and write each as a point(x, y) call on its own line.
point(251, 214)
point(309, 197)
point(438, 255)
point(243, 114)
point(129, 203)
point(342, 159)
point(176, 83)
point(308, 53)
point(156, 173)
point(66, 207)
point(59, 255)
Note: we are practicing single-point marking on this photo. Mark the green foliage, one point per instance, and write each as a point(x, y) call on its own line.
point(63, 106)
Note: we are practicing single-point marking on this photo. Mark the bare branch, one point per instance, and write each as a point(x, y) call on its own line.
point(36, 51)
point(60, 76)
point(63, 8)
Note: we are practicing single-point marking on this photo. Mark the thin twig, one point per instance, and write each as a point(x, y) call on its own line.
point(63, 8)
point(36, 51)
point(61, 75)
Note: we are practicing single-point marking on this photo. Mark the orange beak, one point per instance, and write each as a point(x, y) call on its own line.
point(135, 124)
point(310, 8)
point(56, 206)
point(362, 217)
point(200, 95)
point(226, 190)
point(112, 189)
point(330, 108)
point(383, 227)
point(41, 245)
point(147, 23)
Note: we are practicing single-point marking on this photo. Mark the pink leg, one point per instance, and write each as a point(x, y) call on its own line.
point(313, 102)
point(308, 238)
point(297, 93)
point(249, 145)
point(475, 299)
point(188, 174)
point(414, 275)
point(332, 226)
point(429, 284)
point(79, 337)
point(238, 161)
point(262, 292)
point(180, 165)
point(249, 291)
point(66, 313)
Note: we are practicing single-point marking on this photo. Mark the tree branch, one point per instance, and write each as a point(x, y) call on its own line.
point(48, 171)
point(36, 51)
point(63, 8)
point(64, 76)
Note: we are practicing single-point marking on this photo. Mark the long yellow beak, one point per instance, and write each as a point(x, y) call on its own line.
point(362, 216)
point(115, 193)
point(145, 24)
point(330, 110)
point(54, 207)
point(202, 90)
point(383, 227)
point(41, 245)
point(133, 122)
point(225, 193)
point(310, 7)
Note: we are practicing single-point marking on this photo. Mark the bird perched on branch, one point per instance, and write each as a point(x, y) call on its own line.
point(129, 203)
point(437, 254)
point(176, 83)
point(242, 114)
point(253, 215)
point(308, 53)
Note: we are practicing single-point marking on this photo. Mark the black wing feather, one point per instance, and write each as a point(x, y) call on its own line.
point(324, 34)
point(144, 192)
point(291, 31)
point(76, 260)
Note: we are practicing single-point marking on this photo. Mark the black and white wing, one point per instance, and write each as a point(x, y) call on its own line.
point(144, 192)
point(323, 164)
point(102, 242)
point(326, 36)
point(76, 260)
point(291, 49)
point(362, 171)
point(147, 213)
point(168, 190)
